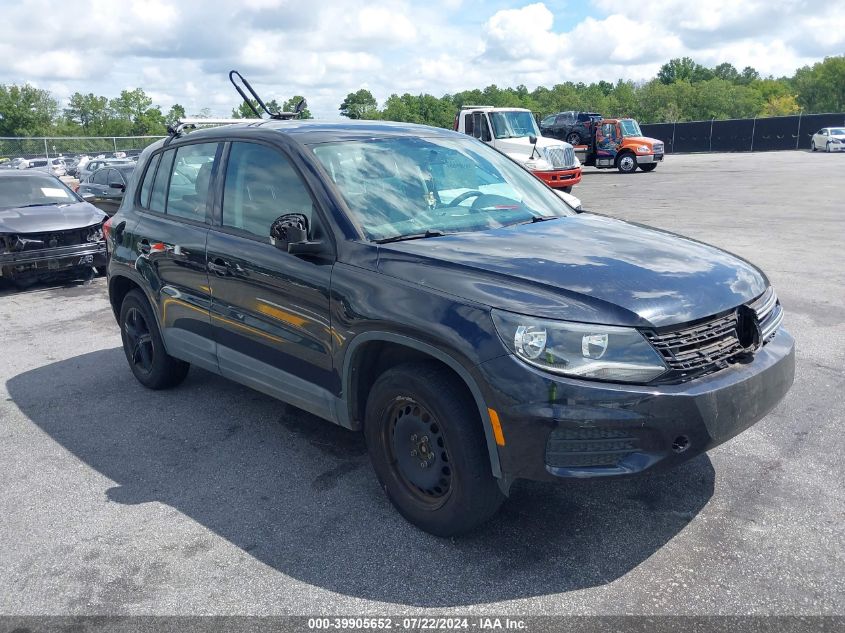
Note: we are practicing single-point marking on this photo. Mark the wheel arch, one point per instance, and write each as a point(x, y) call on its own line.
point(119, 287)
point(372, 353)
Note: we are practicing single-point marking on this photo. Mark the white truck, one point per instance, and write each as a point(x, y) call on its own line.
point(514, 132)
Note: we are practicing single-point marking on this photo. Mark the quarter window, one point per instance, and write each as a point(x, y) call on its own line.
point(147, 185)
point(158, 197)
point(261, 185)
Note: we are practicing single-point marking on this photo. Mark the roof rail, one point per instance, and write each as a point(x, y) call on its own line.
point(184, 124)
point(474, 107)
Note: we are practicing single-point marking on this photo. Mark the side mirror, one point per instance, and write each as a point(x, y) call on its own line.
point(532, 139)
point(117, 185)
point(289, 233)
point(88, 196)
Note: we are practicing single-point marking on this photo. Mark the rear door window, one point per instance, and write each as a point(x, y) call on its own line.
point(190, 181)
point(100, 177)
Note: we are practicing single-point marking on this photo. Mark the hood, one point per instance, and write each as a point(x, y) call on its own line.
point(50, 218)
point(520, 144)
point(582, 268)
point(643, 140)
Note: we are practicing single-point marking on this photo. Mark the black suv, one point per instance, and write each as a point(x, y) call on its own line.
point(576, 128)
point(417, 285)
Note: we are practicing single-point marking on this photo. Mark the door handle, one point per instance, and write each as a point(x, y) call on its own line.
point(220, 267)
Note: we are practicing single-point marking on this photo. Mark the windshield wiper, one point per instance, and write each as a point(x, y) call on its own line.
point(411, 236)
point(39, 204)
point(539, 218)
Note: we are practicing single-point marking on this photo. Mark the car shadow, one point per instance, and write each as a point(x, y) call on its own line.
point(298, 493)
point(8, 288)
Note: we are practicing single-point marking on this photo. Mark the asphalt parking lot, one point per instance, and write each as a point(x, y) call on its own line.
point(213, 499)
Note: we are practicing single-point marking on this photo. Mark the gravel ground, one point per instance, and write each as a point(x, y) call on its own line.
point(213, 499)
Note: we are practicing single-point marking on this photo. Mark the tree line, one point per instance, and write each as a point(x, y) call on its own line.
point(683, 90)
point(29, 111)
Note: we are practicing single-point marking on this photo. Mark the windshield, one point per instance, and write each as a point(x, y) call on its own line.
point(837, 131)
point(409, 186)
point(630, 127)
point(28, 191)
point(513, 124)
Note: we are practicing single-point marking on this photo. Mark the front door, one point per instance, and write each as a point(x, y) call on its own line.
point(270, 309)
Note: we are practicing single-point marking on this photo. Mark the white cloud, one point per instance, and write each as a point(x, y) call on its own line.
point(180, 50)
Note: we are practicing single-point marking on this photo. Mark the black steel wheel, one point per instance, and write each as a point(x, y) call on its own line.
point(419, 451)
point(428, 449)
point(150, 363)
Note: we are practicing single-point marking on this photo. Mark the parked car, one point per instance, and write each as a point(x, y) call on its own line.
point(418, 285)
point(831, 139)
point(94, 164)
point(47, 230)
point(52, 166)
point(576, 128)
point(106, 186)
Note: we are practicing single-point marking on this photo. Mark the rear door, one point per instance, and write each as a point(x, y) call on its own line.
point(171, 238)
point(270, 309)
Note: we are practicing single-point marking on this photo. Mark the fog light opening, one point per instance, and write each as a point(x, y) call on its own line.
point(680, 444)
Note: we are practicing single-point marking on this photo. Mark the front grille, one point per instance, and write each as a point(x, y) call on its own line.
point(712, 344)
point(698, 346)
point(51, 239)
point(568, 448)
point(560, 157)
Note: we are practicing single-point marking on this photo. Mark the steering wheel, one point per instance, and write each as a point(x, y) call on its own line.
point(466, 195)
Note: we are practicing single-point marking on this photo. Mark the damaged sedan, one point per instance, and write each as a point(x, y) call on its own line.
point(47, 232)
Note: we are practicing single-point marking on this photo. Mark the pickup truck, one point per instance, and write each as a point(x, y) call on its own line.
point(514, 132)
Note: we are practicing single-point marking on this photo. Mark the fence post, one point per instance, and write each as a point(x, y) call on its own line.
point(798, 136)
point(711, 135)
point(114, 142)
point(753, 131)
point(674, 125)
point(46, 151)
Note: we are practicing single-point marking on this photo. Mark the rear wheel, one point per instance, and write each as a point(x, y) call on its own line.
point(627, 163)
point(150, 363)
point(812, 146)
point(573, 139)
point(648, 167)
point(428, 450)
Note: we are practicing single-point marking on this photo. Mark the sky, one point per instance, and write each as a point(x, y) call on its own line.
point(180, 51)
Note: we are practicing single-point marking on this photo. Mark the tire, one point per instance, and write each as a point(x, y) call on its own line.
point(648, 167)
point(416, 411)
point(567, 189)
point(626, 163)
point(812, 146)
point(102, 270)
point(827, 147)
point(150, 363)
point(573, 138)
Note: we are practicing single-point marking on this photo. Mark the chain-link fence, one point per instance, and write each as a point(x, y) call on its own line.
point(51, 147)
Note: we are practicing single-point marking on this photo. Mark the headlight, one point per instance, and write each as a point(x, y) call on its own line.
point(95, 233)
point(580, 350)
point(644, 149)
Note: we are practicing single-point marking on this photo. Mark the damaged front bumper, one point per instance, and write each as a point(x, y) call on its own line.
point(53, 259)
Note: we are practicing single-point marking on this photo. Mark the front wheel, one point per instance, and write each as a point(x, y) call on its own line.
point(573, 139)
point(827, 147)
point(150, 363)
point(627, 163)
point(428, 449)
point(649, 167)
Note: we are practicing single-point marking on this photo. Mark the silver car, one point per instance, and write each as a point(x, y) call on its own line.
point(97, 163)
point(830, 139)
